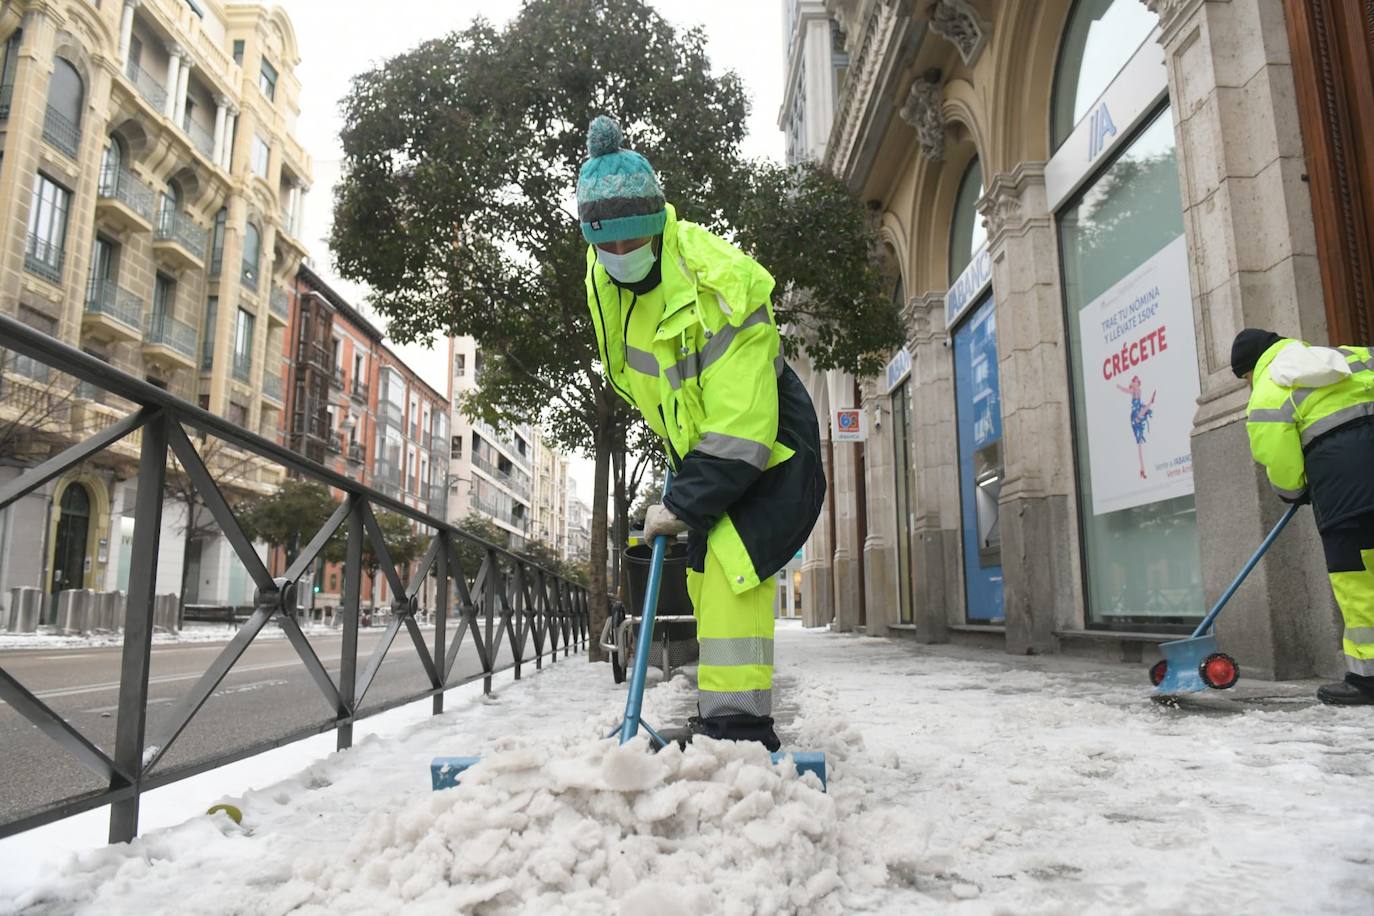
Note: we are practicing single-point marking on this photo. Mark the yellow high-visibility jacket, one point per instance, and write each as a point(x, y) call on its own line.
point(699, 356)
point(1286, 425)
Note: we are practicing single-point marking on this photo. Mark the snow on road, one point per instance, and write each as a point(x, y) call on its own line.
point(958, 784)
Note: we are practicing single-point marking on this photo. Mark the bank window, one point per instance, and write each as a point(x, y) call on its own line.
point(1100, 38)
point(267, 81)
point(967, 233)
point(1134, 363)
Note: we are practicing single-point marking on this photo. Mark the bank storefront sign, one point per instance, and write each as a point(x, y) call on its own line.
point(969, 286)
point(898, 368)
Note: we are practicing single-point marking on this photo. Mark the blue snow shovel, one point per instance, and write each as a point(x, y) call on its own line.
point(1194, 664)
point(445, 771)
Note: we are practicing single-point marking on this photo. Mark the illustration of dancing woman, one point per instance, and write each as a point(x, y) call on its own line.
point(1140, 417)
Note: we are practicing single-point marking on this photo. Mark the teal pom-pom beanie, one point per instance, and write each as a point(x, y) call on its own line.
point(618, 196)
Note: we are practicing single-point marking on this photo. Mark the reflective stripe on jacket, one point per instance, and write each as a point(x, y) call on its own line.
point(1284, 422)
point(700, 357)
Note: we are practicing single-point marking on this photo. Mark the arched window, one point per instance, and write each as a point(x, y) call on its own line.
point(966, 233)
point(171, 203)
point(1100, 37)
point(111, 163)
point(217, 242)
point(252, 252)
point(62, 122)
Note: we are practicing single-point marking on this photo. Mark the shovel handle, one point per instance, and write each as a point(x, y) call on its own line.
point(635, 700)
point(1245, 570)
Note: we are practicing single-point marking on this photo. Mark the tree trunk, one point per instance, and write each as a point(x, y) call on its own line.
point(603, 436)
point(622, 522)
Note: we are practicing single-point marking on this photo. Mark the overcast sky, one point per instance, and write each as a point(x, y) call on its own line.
point(339, 38)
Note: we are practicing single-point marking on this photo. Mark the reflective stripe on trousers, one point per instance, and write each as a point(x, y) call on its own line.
point(735, 672)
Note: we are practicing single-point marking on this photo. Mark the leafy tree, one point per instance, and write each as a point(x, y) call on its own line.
point(471, 553)
point(402, 543)
point(288, 518)
point(456, 207)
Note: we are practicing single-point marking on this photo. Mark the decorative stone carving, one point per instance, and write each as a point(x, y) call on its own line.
point(958, 23)
point(924, 112)
point(1171, 13)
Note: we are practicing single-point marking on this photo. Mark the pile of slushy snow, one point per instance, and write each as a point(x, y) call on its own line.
point(575, 828)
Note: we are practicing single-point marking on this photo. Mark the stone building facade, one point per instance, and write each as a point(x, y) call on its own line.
point(1080, 202)
point(150, 203)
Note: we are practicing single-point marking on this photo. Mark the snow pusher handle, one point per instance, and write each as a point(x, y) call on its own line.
point(629, 726)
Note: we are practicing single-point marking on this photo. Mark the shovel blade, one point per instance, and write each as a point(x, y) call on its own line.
point(1184, 658)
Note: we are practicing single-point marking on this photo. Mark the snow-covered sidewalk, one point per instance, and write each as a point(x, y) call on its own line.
point(959, 782)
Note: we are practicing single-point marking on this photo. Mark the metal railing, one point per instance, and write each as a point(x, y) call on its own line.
point(243, 369)
point(358, 390)
point(201, 138)
point(124, 186)
point(105, 297)
point(176, 226)
point(6, 96)
point(43, 258)
point(505, 605)
point(153, 92)
point(271, 387)
point(279, 303)
point(164, 330)
point(355, 451)
point(517, 482)
point(61, 131)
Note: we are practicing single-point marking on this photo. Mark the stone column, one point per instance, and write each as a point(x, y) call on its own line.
point(818, 582)
point(298, 214)
point(934, 455)
point(880, 542)
point(173, 79)
point(183, 86)
point(221, 121)
point(1247, 215)
point(848, 549)
point(227, 154)
point(1038, 515)
point(126, 30)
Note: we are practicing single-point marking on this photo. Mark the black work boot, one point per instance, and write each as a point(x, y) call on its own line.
point(1353, 691)
point(728, 728)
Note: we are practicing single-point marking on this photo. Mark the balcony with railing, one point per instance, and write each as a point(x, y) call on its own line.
point(112, 312)
point(390, 414)
point(200, 138)
point(358, 390)
point(153, 92)
point(179, 241)
point(243, 369)
point(6, 96)
point(355, 452)
point(279, 305)
point(272, 388)
point(335, 443)
point(124, 200)
point(169, 341)
point(44, 258)
point(518, 483)
point(62, 132)
point(336, 376)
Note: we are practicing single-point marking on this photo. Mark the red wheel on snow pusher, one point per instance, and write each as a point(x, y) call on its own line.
point(1219, 671)
point(1157, 671)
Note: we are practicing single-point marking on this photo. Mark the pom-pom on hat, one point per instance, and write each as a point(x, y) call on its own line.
point(618, 196)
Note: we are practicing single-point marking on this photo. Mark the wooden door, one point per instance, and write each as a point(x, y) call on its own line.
point(1332, 45)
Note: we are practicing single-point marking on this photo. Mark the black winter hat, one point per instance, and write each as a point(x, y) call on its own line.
point(1248, 347)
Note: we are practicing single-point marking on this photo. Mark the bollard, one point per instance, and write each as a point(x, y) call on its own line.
point(26, 604)
point(72, 605)
point(121, 605)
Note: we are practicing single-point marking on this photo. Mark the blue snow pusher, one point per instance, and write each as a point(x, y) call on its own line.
point(446, 771)
point(1195, 664)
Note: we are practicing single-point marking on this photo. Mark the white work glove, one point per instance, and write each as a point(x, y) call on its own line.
point(658, 520)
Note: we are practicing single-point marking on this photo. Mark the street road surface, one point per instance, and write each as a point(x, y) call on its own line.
point(267, 694)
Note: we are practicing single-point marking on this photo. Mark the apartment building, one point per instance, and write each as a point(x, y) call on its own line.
point(578, 533)
point(356, 407)
point(150, 203)
point(514, 478)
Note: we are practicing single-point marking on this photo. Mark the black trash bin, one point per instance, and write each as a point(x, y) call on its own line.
point(672, 602)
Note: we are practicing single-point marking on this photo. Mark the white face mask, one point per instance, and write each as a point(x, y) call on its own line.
point(630, 267)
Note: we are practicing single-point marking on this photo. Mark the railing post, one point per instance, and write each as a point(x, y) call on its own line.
point(352, 601)
point(518, 611)
point(138, 625)
point(489, 611)
point(441, 602)
point(541, 618)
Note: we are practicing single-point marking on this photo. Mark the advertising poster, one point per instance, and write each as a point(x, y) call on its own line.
point(1140, 384)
